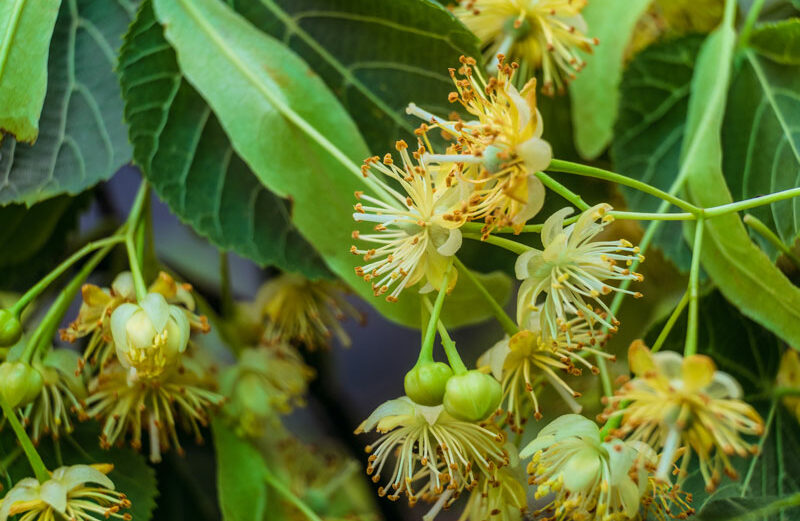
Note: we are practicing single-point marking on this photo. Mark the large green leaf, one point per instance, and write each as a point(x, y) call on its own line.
point(761, 140)
point(290, 129)
point(82, 139)
point(648, 134)
point(594, 92)
point(184, 151)
point(25, 31)
point(376, 57)
point(744, 274)
point(240, 477)
point(778, 41)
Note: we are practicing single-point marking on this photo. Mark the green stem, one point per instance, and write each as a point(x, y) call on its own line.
point(610, 425)
point(226, 292)
point(40, 286)
point(38, 466)
point(130, 244)
point(605, 377)
point(512, 246)
point(46, 329)
point(780, 392)
point(426, 351)
point(694, 290)
point(509, 326)
point(750, 21)
point(759, 227)
point(453, 357)
point(652, 216)
point(568, 167)
point(563, 191)
point(289, 496)
point(676, 313)
point(751, 203)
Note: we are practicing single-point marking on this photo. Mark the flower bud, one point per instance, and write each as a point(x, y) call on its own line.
point(20, 383)
point(425, 383)
point(10, 328)
point(149, 336)
point(472, 396)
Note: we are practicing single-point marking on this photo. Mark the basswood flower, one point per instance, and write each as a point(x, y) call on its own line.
point(77, 493)
point(543, 33)
point(415, 235)
point(61, 396)
point(524, 362)
point(498, 152)
point(502, 498)
point(588, 479)
point(676, 400)
point(179, 396)
point(309, 311)
point(573, 271)
point(437, 456)
point(789, 377)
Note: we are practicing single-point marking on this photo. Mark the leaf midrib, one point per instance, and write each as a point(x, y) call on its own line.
point(11, 32)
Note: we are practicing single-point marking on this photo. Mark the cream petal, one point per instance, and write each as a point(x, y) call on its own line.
point(452, 244)
point(640, 360)
point(495, 356)
point(179, 316)
point(535, 202)
point(523, 109)
point(539, 125)
point(697, 372)
point(724, 386)
point(669, 364)
point(26, 490)
point(554, 225)
point(402, 406)
point(119, 318)
point(77, 475)
point(629, 496)
point(157, 309)
point(620, 459)
point(536, 153)
point(581, 470)
point(522, 264)
point(123, 285)
point(54, 493)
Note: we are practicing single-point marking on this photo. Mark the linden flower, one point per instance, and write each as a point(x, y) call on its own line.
point(180, 395)
point(590, 479)
point(63, 392)
point(502, 498)
point(789, 377)
point(676, 401)
point(498, 152)
point(525, 361)
point(433, 449)
point(304, 310)
point(413, 241)
point(574, 271)
point(77, 493)
point(264, 381)
point(544, 33)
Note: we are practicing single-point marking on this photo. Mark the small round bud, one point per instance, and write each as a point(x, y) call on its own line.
point(425, 383)
point(10, 328)
point(20, 383)
point(472, 396)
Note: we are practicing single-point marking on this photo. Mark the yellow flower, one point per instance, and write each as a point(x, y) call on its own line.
point(497, 153)
point(573, 271)
point(416, 236)
point(544, 33)
point(525, 361)
point(266, 380)
point(502, 498)
point(62, 394)
point(676, 401)
point(303, 310)
point(77, 493)
point(437, 456)
point(789, 377)
point(158, 405)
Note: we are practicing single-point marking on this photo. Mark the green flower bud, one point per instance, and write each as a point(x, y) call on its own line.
point(425, 383)
point(472, 396)
point(10, 328)
point(20, 383)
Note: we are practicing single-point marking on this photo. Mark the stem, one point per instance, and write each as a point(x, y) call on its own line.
point(605, 378)
point(760, 228)
point(612, 424)
point(288, 495)
point(652, 216)
point(227, 304)
point(47, 327)
point(38, 466)
point(130, 244)
point(453, 357)
point(563, 191)
point(509, 326)
point(426, 351)
point(512, 246)
point(694, 277)
point(750, 21)
point(568, 167)
point(670, 323)
point(40, 286)
point(752, 203)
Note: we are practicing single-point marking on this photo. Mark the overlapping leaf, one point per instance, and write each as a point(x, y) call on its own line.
point(82, 139)
point(184, 151)
point(778, 41)
point(240, 477)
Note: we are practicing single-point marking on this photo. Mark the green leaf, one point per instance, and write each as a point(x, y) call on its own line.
point(26, 28)
point(594, 92)
point(184, 152)
point(82, 139)
point(376, 57)
point(240, 476)
point(743, 273)
point(778, 41)
point(762, 142)
point(654, 97)
point(131, 475)
point(290, 129)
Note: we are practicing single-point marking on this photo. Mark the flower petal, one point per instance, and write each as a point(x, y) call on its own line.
point(77, 475)
point(554, 225)
point(640, 360)
point(535, 201)
point(536, 153)
point(157, 309)
point(697, 372)
point(581, 471)
point(119, 318)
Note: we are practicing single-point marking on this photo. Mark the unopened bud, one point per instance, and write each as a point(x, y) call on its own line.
point(10, 328)
point(425, 383)
point(20, 383)
point(472, 396)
